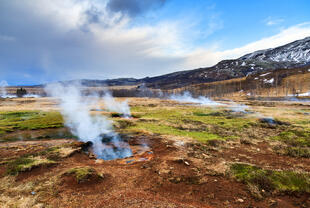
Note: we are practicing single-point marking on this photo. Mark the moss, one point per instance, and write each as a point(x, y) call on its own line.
point(83, 174)
point(271, 180)
point(295, 137)
point(26, 163)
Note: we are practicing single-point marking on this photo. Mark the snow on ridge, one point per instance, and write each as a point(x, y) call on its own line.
point(298, 51)
point(270, 81)
point(262, 75)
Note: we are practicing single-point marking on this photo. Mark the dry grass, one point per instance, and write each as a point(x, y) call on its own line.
point(218, 128)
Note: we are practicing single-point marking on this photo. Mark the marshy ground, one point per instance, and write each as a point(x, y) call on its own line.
point(197, 156)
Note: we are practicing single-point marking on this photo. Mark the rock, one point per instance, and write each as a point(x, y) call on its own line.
point(39, 206)
point(215, 142)
point(99, 161)
point(219, 168)
point(144, 166)
point(92, 156)
point(272, 202)
point(226, 202)
point(240, 200)
point(85, 146)
point(175, 179)
point(245, 141)
point(211, 196)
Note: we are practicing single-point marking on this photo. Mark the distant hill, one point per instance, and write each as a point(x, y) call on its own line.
point(292, 55)
point(289, 56)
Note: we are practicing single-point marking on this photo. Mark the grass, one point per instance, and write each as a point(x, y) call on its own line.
point(293, 151)
point(168, 130)
point(26, 163)
point(199, 123)
point(29, 120)
point(46, 157)
point(295, 137)
point(46, 134)
point(83, 174)
point(271, 180)
point(58, 152)
point(296, 142)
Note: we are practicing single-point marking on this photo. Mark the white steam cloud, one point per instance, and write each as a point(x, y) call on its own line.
point(3, 85)
point(75, 109)
point(119, 107)
point(236, 107)
point(187, 97)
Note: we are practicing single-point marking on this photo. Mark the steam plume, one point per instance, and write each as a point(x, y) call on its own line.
point(3, 85)
point(187, 97)
point(75, 109)
point(119, 107)
point(236, 107)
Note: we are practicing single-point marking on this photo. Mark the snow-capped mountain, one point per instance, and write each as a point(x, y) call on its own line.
point(297, 52)
point(289, 56)
point(292, 55)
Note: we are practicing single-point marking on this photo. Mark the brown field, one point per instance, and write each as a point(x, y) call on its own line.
point(196, 157)
point(286, 82)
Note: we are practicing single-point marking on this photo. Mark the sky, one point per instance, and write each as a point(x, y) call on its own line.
point(44, 41)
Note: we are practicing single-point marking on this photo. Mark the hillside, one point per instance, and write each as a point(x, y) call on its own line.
point(273, 83)
point(289, 56)
point(292, 55)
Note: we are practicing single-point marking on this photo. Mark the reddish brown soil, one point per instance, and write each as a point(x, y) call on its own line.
point(262, 155)
point(168, 178)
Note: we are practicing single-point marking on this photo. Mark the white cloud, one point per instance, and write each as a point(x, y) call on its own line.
point(60, 40)
point(273, 21)
point(69, 39)
point(203, 57)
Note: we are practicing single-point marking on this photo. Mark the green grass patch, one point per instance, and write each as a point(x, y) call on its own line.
point(295, 137)
point(168, 130)
point(29, 120)
point(200, 123)
point(270, 180)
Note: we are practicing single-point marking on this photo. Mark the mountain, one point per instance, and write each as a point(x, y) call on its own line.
point(292, 55)
point(289, 56)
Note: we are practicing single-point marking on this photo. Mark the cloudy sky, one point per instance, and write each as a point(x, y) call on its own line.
point(47, 40)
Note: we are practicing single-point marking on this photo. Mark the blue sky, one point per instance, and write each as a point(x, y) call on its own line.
point(98, 39)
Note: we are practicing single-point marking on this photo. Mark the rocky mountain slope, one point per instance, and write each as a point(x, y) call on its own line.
point(292, 55)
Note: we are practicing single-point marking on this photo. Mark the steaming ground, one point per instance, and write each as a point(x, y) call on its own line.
point(187, 97)
point(87, 128)
point(119, 107)
point(182, 155)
